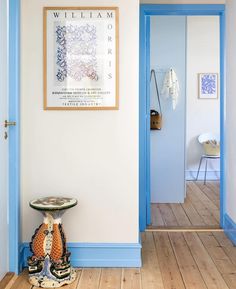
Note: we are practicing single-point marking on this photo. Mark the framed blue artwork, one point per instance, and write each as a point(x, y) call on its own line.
point(208, 85)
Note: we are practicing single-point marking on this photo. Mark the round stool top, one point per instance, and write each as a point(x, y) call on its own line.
point(53, 203)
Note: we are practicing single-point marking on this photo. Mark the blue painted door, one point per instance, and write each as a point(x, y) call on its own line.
point(4, 225)
point(9, 136)
point(14, 134)
point(168, 50)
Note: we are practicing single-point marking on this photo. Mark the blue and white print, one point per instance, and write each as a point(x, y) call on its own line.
point(208, 85)
point(76, 52)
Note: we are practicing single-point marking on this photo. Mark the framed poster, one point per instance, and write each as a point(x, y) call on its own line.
point(208, 85)
point(80, 58)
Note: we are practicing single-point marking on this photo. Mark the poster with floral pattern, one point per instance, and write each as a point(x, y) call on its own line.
point(208, 85)
point(80, 58)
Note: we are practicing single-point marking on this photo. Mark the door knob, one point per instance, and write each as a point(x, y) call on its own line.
point(9, 123)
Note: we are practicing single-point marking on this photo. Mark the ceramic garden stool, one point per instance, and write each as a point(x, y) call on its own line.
point(49, 266)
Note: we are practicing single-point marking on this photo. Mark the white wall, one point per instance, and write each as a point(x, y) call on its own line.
point(90, 155)
point(203, 115)
point(230, 142)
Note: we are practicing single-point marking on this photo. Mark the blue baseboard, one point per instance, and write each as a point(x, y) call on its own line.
point(230, 228)
point(96, 254)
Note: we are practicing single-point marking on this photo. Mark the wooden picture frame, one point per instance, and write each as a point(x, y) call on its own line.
point(80, 59)
point(208, 85)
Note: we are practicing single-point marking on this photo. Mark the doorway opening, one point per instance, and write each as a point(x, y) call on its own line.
point(183, 46)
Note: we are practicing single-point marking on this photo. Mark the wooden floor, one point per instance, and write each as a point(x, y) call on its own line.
point(201, 208)
point(170, 261)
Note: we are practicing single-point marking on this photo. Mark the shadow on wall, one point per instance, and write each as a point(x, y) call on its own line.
point(194, 152)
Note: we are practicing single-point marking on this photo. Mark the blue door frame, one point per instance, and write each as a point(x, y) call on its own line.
point(14, 135)
point(147, 10)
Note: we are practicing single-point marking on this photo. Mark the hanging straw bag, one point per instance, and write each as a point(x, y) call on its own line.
point(155, 116)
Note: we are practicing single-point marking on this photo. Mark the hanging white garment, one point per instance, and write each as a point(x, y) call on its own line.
point(171, 87)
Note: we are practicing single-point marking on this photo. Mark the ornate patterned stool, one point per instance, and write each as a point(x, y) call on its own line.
point(49, 266)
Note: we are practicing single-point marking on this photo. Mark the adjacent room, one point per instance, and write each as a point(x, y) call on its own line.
point(184, 95)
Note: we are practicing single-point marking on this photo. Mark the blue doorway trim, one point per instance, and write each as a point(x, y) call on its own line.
point(147, 10)
point(14, 134)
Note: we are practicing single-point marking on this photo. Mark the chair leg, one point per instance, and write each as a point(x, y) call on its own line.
point(205, 172)
point(200, 163)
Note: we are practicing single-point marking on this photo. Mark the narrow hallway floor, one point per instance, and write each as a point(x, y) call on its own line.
point(200, 209)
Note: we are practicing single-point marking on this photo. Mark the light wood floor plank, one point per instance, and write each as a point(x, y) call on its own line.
point(168, 215)
point(110, 278)
point(22, 282)
point(203, 211)
point(231, 280)
point(188, 267)
point(207, 267)
point(205, 260)
point(200, 209)
point(90, 278)
point(180, 215)
point(216, 184)
point(11, 283)
point(227, 246)
point(220, 258)
point(171, 275)
point(7, 280)
point(183, 229)
point(218, 255)
point(212, 208)
point(160, 220)
point(214, 188)
point(210, 194)
point(150, 271)
point(223, 240)
point(156, 216)
point(131, 279)
point(194, 217)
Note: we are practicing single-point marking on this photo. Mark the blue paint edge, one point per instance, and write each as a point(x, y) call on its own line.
point(142, 123)
point(230, 228)
point(97, 254)
point(222, 118)
point(148, 136)
point(14, 135)
point(147, 10)
point(182, 9)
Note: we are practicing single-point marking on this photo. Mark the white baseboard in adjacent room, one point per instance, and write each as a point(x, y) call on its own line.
point(211, 175)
